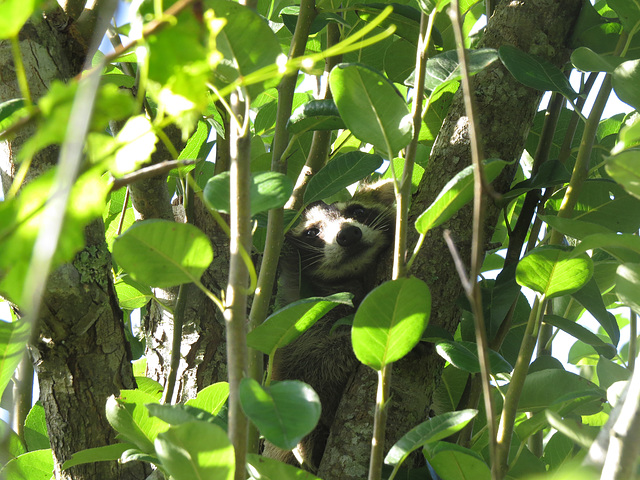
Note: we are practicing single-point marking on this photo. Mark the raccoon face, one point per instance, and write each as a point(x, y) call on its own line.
point(341, 240)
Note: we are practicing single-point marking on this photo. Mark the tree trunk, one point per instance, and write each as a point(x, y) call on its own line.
point(506, 110)
point(81, 355)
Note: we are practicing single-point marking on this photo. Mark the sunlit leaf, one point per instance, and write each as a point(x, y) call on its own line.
point(371, 107)
point(390, 321)
point(553, 271)
point(196, 450)
point(162, 253)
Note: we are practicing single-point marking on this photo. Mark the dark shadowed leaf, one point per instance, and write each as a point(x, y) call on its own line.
point(340, 173)
point(535, 72)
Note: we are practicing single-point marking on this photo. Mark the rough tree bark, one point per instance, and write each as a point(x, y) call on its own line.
point(506, 110)
point(78, 368)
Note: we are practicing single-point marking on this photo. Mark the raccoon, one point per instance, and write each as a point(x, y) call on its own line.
point(335, 248)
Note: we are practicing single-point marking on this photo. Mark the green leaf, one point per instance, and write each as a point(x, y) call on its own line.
point(212, 398)
point(268, 468)
point(605, 203)
point(285, 325)
point(456, 193)
point(22, 217)
point(179, 414)
point(14, 14)
point(268, 190)
point(390, 321)
point(574, 228)
point(625, 79)
point(624, 168)
point(138, 142)
point(590, 298)
point(582, 334)
point(535, 72)
point(290, 17)
point(610, 373)
point(147, 385)
point(315, 115)
point(629, 135)
point(445, 67)
point(35, 429)
point(405, 17)
point(399, 60)
point(132, 294)
point(13, 340)
point(454, 462)
point(608, 241)
point(544, 388)
point(551, 173)
point(371, 107)
point(284, 412)
point(246, 42)
point(129, 416)
point(197, 146)
point(12, 445)
point(628, 12)
point(36, 465)
point(627, 285)
point(432, 430)
point(196, 450)
point(553, 271)
point(464, 355)
point(340, 173)
point(579, 433)
point(587, 60)
point(98, 454)
point(162, 253)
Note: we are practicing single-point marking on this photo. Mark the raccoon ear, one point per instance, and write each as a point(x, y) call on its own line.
point(380, 192)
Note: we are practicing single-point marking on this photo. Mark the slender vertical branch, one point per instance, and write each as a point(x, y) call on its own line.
point(178, 321)
point(379, 423)
point(477, 243)
point(235, 314)
point(275, 223)
point(509, 410)
point(403, 195)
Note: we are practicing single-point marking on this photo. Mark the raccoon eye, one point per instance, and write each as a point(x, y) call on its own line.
point(359, 213)
point(312, 232)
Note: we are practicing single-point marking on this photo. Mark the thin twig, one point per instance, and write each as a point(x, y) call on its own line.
point(149, 172)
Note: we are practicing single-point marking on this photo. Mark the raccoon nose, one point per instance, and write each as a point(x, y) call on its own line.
point(348, 236)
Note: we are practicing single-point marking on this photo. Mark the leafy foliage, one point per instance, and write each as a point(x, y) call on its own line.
point(188, 74)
